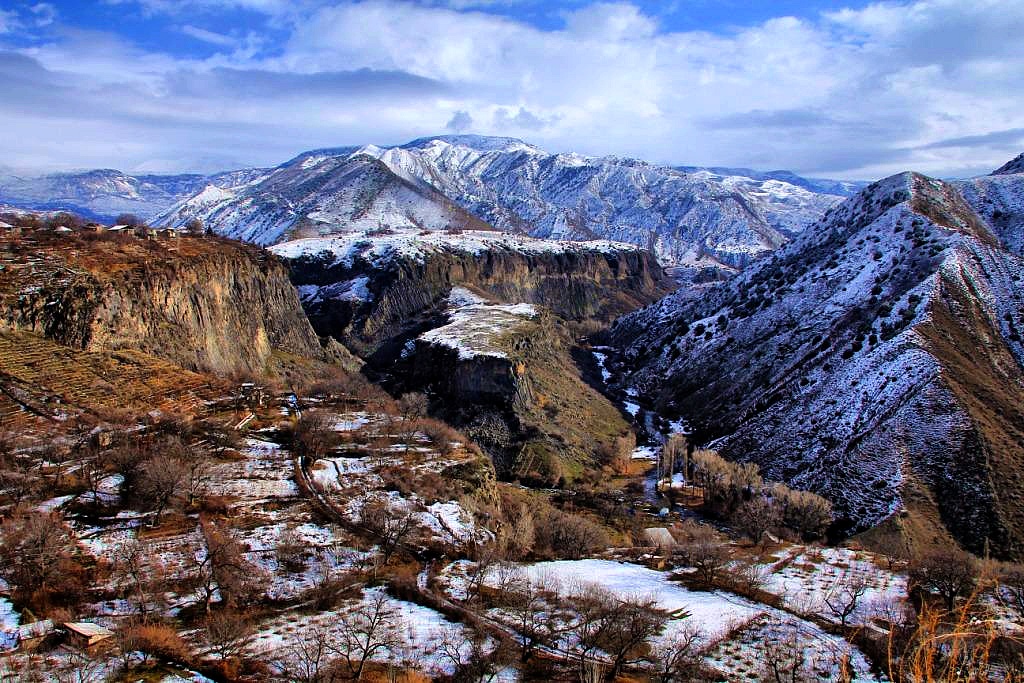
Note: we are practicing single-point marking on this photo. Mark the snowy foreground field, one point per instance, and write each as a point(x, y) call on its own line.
point(380, 550)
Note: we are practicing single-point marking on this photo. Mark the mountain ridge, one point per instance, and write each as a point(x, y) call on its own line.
point(841, 362)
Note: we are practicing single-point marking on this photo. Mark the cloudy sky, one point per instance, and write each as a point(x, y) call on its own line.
point(842, 89)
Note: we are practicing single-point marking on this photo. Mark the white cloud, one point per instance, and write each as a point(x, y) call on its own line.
point(8, 21)
point(208, 36)
point(932, 85)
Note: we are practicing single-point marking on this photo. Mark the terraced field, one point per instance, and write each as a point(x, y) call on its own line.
point(40, 375)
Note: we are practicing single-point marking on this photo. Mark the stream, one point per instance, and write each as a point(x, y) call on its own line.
point(653, 429)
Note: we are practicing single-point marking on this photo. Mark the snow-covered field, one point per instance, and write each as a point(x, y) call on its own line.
point(737, 634)
point(806, 578)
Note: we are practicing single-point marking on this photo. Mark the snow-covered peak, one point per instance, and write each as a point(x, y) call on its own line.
point(480, 143)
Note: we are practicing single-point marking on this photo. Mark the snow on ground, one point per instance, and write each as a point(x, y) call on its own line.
point(452, 523)
point(644, 453)
point(265, 473)
point(602, 360)
point(806, 577)
point(337, 473)
point(421, 630)
point(53, 503)
point(715, 615)
point(9, 621)
point(775, 635)
point(460, 296)
point(350, 422)
point(417, 245)
point(475, 329)
point(348, 290)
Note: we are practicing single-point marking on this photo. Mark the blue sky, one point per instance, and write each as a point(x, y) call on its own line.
point(842, 89)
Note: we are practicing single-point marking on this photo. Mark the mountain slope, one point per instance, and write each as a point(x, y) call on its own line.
point(877, 360)
point(682, 216)
point(1015, 165)
point(205, 304)
point(320, 193)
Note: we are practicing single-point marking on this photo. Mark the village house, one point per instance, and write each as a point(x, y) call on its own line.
point(86, 635)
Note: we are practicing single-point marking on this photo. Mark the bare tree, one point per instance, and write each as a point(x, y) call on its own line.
point(517, 538)
point(140, 576)
point(290, 550)
point(844, 598)
point(1011, 580)
point(784, 657)
point(569, 536)
point(618, 628)
point(228, 633)
point(391, 525)
point(161, 478)
point(756, 518)
point(221, 567)
point(315, 436)
point(413, 406)
point(948, 572)
point(195, 227)
point(532, 617)
point(308, 659)
point(36, 552)
point(129, 219)
point(806, 513)
point(371, 627)
point(474, 658)
point(79, 667)
point(675, 454)
point(703, 549)
point(197, 477)
point(17, 480)
point(679, 657)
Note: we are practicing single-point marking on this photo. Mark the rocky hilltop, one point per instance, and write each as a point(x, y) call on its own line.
point(877, 360)
point(204, 304)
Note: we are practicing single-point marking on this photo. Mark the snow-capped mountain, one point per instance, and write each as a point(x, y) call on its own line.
point(683, 216)
point(876, 359)
point(320, 193)
point(104, 193)
point(701, 216)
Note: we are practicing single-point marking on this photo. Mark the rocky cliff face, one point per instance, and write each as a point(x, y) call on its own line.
point(486, 323)
point(204, 304)
point(373, 293)
point(506, 375)
point(876, 360)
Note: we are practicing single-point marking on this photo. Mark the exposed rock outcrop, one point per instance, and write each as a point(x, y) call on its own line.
point(202, 303)
point(375, 293)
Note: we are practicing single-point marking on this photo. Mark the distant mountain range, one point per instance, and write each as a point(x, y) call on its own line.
point(104, 193)
point(718, 217)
